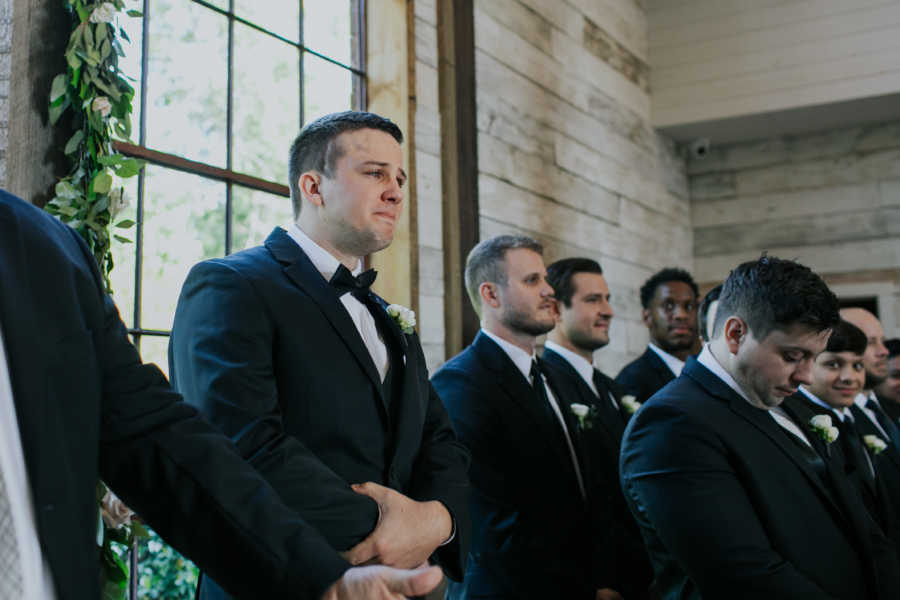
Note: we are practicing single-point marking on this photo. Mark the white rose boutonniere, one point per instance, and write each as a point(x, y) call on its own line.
point(104, 13)
point(101, 105)
point(875, 443)
point(580, 411)
point(405, 317)
point(630, 404)
point(822, 426)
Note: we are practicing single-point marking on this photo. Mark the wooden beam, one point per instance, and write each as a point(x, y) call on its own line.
point(459, 177)
point(390, 64)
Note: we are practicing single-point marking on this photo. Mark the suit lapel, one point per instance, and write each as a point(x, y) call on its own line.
point(519, 392)
point(663, 373)
point(760, 420)
point(866, 427)
point(300, 270)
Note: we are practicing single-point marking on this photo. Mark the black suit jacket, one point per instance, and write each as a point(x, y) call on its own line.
point(621, 561)
point(263, 347)
point(644, 376)
point(88, 408)
point(730, 508)
point(532, 530)
point(887, 463)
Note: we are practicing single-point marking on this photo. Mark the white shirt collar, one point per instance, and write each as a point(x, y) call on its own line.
point(324, 262)
point(709, 361)
point(674, 363)
point(842, 413)
point(520, 358)
point(582, 366)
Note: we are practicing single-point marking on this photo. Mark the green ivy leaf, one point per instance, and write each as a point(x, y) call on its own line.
point(58, 87)
point(125, 224)
point(134, 13)
point(56, 112)
point(110, 160)
point(88, 34)
point(74, 141)
point(130, 167)
point(102, 183)
point(123, 240)
point(66, 190)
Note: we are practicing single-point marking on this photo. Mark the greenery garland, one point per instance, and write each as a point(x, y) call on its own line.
point(99, 98)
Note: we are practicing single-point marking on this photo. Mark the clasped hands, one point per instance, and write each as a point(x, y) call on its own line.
point(396, 552)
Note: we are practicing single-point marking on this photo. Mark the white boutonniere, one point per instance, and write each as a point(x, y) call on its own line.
point(405, 317)
point(822, 426)
point(630, 404)
point(875, 443)
point(581, 411)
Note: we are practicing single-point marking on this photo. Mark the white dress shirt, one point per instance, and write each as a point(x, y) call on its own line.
point(674, 363)
point(523, 361)
point(709, 361)
point(327, 264)
point(36, 577)
point(584, 368)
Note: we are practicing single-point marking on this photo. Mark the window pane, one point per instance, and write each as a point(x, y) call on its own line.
point(255, 214)
point(130, 64)
point(155, 349)
point(122, 276)
point(266, 103)
point(278, 16)
point(184, 223)
point(328, 28)
point(186, 84)
point(327, 88)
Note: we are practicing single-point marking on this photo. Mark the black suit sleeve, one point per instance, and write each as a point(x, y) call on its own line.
point(678, 479)
point(190, 484)
point(221, 360)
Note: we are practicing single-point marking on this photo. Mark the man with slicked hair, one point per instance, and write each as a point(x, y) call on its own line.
point(732, 499)
point(286, 349)
point(669, 301)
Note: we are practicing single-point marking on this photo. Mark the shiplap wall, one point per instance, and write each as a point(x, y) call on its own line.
point(565, 148)
point(830, 200)
point(715, 59)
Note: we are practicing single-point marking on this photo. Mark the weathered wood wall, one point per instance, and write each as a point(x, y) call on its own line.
point(830, 200)
point(566, 152)
point(714, 59)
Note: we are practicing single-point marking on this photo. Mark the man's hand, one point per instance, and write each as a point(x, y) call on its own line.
point(608, 594)
point(407, 531)
point(383, 583)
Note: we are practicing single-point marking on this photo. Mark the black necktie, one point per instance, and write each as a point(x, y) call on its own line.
point(615, 418)
point(344, 282)
point(853, 448)
point(889, 427)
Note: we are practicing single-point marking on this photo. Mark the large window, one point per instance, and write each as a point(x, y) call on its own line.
point(223, 86)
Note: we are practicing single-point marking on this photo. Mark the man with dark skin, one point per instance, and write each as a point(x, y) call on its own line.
point(669, 300)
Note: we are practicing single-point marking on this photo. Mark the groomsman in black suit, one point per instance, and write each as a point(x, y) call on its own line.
point(77, 404)
point(535, 514)
point(871, 417)
point(583, 317)
point(888, 391)
point(822, 408)
point(731, 499)
point(669, 300)
point(322, 386)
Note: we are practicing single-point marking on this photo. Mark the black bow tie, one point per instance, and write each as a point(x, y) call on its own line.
point(343, 282)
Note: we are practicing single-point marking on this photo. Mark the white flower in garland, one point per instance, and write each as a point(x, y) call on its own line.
point(405, 317)
point(104, 13)
point(822, 425)
point(101, 105)
point(875, 443)
point(630, 404)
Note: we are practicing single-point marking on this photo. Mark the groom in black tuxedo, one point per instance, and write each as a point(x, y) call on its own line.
point(537, 522)
point(583, 317)
point(77, 404)
point(731, 500)
point(325, 392)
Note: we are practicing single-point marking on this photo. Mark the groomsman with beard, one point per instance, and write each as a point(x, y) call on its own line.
point(583, 317)
point(286, 349)
point(669, 301)
point(536, 520)
point(731, 499)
